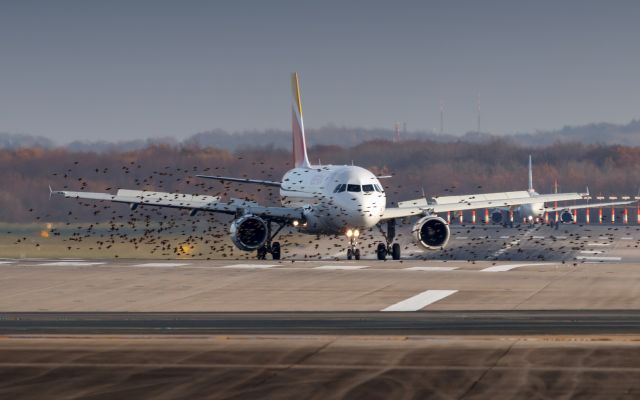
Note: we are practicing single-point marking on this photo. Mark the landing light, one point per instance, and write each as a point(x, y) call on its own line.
point(356, 233)
point(349, 233)
point(296, 223)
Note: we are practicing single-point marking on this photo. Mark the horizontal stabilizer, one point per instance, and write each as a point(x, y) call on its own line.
point(241, 180)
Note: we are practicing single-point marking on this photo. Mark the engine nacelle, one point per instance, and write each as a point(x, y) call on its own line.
point(497, 216)
point(566, 217)
point(249, 232)
point(431, 232)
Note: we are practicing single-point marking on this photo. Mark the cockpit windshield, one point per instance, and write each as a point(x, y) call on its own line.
point(353, 188)
point(367, 188)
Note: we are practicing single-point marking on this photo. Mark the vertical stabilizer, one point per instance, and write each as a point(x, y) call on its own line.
point(530, 175)
point(300, 159)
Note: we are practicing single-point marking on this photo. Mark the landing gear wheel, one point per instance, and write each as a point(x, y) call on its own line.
point(395, 251)
point(356, 254)
point(349, 254)
point(381, 251)
point(275, 250)
point(262, 253)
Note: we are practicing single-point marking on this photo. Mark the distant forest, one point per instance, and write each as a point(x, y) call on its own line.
point(438, 168)
point(597, 133)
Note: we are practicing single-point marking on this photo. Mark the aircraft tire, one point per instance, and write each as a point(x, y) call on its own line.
point(381, 251)
point(395, 251)
point(275, 250)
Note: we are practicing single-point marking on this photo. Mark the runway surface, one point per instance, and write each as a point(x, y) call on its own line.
point(502, 313)
point(508, 323)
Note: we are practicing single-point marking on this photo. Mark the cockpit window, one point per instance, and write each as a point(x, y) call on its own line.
point(337, 189)
point(367, 188)
point(340, 188)
point(353, 188)
point(379, 189)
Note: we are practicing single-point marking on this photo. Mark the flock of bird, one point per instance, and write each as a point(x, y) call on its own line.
point(170, 233)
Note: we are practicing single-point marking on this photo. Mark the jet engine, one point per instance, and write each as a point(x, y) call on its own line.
point(566, 217)
point(431, 232)
point(249, 232)
point(497, 216)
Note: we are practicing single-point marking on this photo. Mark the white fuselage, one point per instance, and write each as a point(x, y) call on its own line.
point(532, 211)
point(334, 198)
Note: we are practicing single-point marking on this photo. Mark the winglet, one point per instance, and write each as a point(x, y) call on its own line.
point(300, 159)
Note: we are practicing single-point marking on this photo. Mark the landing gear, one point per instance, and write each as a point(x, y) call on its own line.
point(352, 251)
point(269, 246)
point(387, 248)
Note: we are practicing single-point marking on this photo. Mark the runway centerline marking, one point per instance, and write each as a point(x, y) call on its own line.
point(419, 301)
point(430, 268)
point(591, 252)
point(626, 238)
point(160, 265)
point(251, 266)
point(509, 267)
point(598, 244)
point(7, 262)
point(341, 267)
point(462, 237)
point(70, 264)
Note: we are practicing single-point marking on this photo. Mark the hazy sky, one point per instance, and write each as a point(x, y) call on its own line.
point(135, 69)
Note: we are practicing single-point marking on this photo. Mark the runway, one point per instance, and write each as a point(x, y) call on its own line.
point(506, 323)
point(513, 313)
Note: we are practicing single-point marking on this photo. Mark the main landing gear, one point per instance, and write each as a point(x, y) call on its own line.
point(353, 251)
point(387, 248)
point(270, 247)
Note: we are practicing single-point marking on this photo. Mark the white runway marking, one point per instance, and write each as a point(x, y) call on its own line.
point(7, 262)
point(251, 266)
point(420, 301)
point(462, 237)
point(160, 265)
point(561, 237)
point(70, 264)
point(538, 237)
point(598, 244)
point(591, 252)
point(504, 237)
point(430, 268)
point(626, 238)
point(341, 267)
point(509, 267)
point(587, 258)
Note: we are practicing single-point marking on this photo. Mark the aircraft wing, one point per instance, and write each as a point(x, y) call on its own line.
point(241, 180)
point(592, 205)
point(472, 202)
point(191, 202)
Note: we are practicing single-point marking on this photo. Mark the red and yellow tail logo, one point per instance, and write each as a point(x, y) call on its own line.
point(300, 158)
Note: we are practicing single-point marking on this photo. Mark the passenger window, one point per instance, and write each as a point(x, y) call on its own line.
point(353, 188)
point(367, 188)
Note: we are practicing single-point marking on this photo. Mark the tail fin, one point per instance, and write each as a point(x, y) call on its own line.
point(530, 175)
point(300, 158)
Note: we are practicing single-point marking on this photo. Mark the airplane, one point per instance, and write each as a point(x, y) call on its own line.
point(318, 200)
point(535, 211)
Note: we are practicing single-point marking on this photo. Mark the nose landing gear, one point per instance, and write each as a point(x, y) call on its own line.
point(353, 251)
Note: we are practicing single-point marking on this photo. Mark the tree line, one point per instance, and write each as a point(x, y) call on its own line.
point(417, 166)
